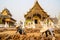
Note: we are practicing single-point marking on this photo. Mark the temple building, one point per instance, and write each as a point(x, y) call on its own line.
point(6, 18)
point(36, 14)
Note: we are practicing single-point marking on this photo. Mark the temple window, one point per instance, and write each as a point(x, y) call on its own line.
point(37, 15)
point(28, 17)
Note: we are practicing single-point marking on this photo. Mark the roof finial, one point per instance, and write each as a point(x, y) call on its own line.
point(36, 0)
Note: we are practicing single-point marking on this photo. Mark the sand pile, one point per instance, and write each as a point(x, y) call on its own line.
point(23, 37)
point(31, 34)
point(18, 37)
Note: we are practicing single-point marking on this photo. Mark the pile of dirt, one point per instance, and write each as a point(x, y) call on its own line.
point(7, 29)
point(18, 37)
point(31, 34)
point(23, 37)
point(30, 30)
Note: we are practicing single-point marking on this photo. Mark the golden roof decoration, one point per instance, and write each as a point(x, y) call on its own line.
point(36, 7)
point(6, 12)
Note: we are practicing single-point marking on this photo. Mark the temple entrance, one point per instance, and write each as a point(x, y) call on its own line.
point(36, 21)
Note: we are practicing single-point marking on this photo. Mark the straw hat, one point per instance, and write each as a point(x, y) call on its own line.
point(44, 29)
point(16, 26)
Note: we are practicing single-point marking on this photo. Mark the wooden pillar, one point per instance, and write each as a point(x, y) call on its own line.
point(8, 24)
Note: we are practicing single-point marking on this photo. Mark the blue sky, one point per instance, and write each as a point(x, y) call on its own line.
point(20, 7)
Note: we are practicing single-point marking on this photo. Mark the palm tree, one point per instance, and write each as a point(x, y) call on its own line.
point(1, 17)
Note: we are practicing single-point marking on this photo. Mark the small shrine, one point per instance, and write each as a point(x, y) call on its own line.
point(6, 18)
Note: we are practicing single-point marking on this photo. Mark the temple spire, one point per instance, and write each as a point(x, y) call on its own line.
point(36, 0)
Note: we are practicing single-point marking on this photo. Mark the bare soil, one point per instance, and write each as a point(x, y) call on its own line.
point(30, 35)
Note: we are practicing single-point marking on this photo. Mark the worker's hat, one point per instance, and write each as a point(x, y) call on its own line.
point(44, 29)
point(16, 26)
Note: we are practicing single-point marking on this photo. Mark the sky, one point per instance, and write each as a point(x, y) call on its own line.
point(18, 8)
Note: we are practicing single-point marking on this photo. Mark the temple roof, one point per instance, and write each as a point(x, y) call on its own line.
point(13, 19)
point(36, 7)
point(55, 20)
point(7, 15)
point(6, 11)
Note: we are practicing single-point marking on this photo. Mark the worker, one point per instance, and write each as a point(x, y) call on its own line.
point(19, 29)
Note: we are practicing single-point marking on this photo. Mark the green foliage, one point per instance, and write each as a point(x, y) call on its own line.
point(0, 21)
point(28, 20)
